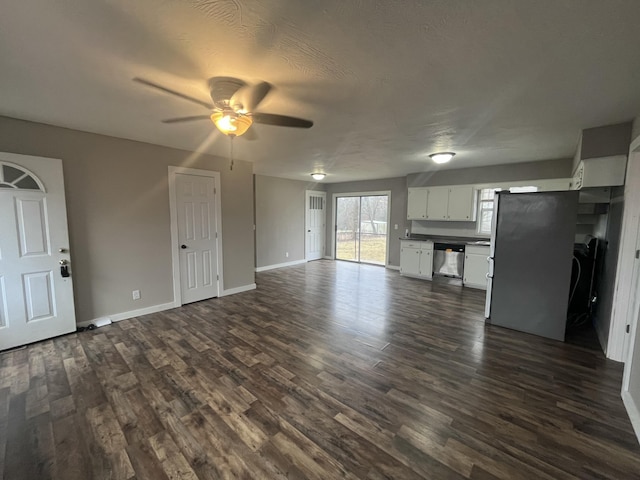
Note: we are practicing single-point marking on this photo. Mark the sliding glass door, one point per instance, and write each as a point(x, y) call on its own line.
point(361, 228)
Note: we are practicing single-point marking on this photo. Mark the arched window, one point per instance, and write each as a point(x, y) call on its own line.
point(15, 176)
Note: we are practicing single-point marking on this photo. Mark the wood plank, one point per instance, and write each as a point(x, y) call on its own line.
point(327, 370)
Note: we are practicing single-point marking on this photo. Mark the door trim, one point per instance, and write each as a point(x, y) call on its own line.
point(334, 204)
point(173, 214)
point(307, 193)
point(617, 347)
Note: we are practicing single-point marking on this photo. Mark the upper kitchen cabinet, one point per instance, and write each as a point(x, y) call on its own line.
point(461, 206)
point(417, 204)
point(437, 203)
point(455, 203)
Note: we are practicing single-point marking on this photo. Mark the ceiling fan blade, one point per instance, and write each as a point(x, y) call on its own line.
point(172, 92)
point(250, 96)
point(186, 119)
point(281, 120)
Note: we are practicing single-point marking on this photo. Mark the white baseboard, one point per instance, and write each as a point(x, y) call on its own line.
point(243, 288)
point(393, 267)
point(328, 257)
point(280, 265)
point(116, 317)
point(633, 411)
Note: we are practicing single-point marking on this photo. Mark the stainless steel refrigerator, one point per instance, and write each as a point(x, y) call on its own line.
point(530, 261)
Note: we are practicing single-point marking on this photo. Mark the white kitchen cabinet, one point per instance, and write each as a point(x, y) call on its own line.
point(461, 204)
point(417, 204)
point(476, 266)
point(416, 259)
point(456, 203)
point(409, 260)
point(437, 203)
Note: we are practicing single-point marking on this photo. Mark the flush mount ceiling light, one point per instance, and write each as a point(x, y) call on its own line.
point(442, 157)
point(318, 176)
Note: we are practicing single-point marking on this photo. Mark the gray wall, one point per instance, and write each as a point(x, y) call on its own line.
point(606, 141)
point(280, 219)
point(398, 188)
point(496, 173)
point(118, 210)
point(635, 132)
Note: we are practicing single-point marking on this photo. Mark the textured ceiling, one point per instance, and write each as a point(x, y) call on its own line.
point(386, 82)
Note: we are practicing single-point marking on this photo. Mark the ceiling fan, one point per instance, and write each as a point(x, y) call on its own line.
point(233, 107)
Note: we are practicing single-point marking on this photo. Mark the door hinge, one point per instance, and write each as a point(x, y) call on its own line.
point(216, 234)
point(217, 277)
point(215, 190)
point(637, 253)
point(628, 328)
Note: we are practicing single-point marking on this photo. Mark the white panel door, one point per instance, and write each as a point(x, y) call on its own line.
point(631, 378)
point(315, 224)
point(197, 237)
point(36, 301)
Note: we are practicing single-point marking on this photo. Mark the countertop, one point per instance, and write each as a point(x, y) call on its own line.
point(443, 239)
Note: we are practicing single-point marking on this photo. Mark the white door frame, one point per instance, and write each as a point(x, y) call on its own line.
point(359, 194)
point(622, 312)
point(307, 193)
point(627, 293)
point(175, 244)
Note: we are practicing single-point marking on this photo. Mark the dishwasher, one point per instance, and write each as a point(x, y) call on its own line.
point(448, 259)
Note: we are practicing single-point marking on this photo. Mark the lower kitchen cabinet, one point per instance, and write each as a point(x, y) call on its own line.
point(416, 259)
point(476, 266)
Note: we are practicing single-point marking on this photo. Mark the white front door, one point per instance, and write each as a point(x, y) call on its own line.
point(36, 301)
point(315, 224)
point(197, 236)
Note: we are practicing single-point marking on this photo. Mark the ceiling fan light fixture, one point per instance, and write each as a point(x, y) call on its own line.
point(442, 157)
point(231, 123)
point(318, 176)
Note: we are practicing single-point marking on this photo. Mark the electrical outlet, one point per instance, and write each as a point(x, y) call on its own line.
point(286, 254)
point(136, 294)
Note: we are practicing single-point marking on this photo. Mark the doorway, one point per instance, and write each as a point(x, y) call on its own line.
point(196, 232)
point(361, 227)
point(314, 224)
point(36, 288)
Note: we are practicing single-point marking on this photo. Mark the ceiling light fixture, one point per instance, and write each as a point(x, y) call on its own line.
point(318, 176)
point(231, 123)
point(442, 157)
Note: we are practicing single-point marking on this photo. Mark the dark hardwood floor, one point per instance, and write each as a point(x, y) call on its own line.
point(328, 370)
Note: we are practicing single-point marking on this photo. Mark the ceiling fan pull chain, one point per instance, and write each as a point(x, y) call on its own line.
point(231, 137)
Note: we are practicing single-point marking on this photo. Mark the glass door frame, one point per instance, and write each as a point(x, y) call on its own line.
point(334, 208)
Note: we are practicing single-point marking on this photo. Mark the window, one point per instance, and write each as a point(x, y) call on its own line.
point(14, 176)
point(485, 209)
point(485, 205)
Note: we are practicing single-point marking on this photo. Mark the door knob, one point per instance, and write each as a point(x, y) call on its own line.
point(183, 246)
